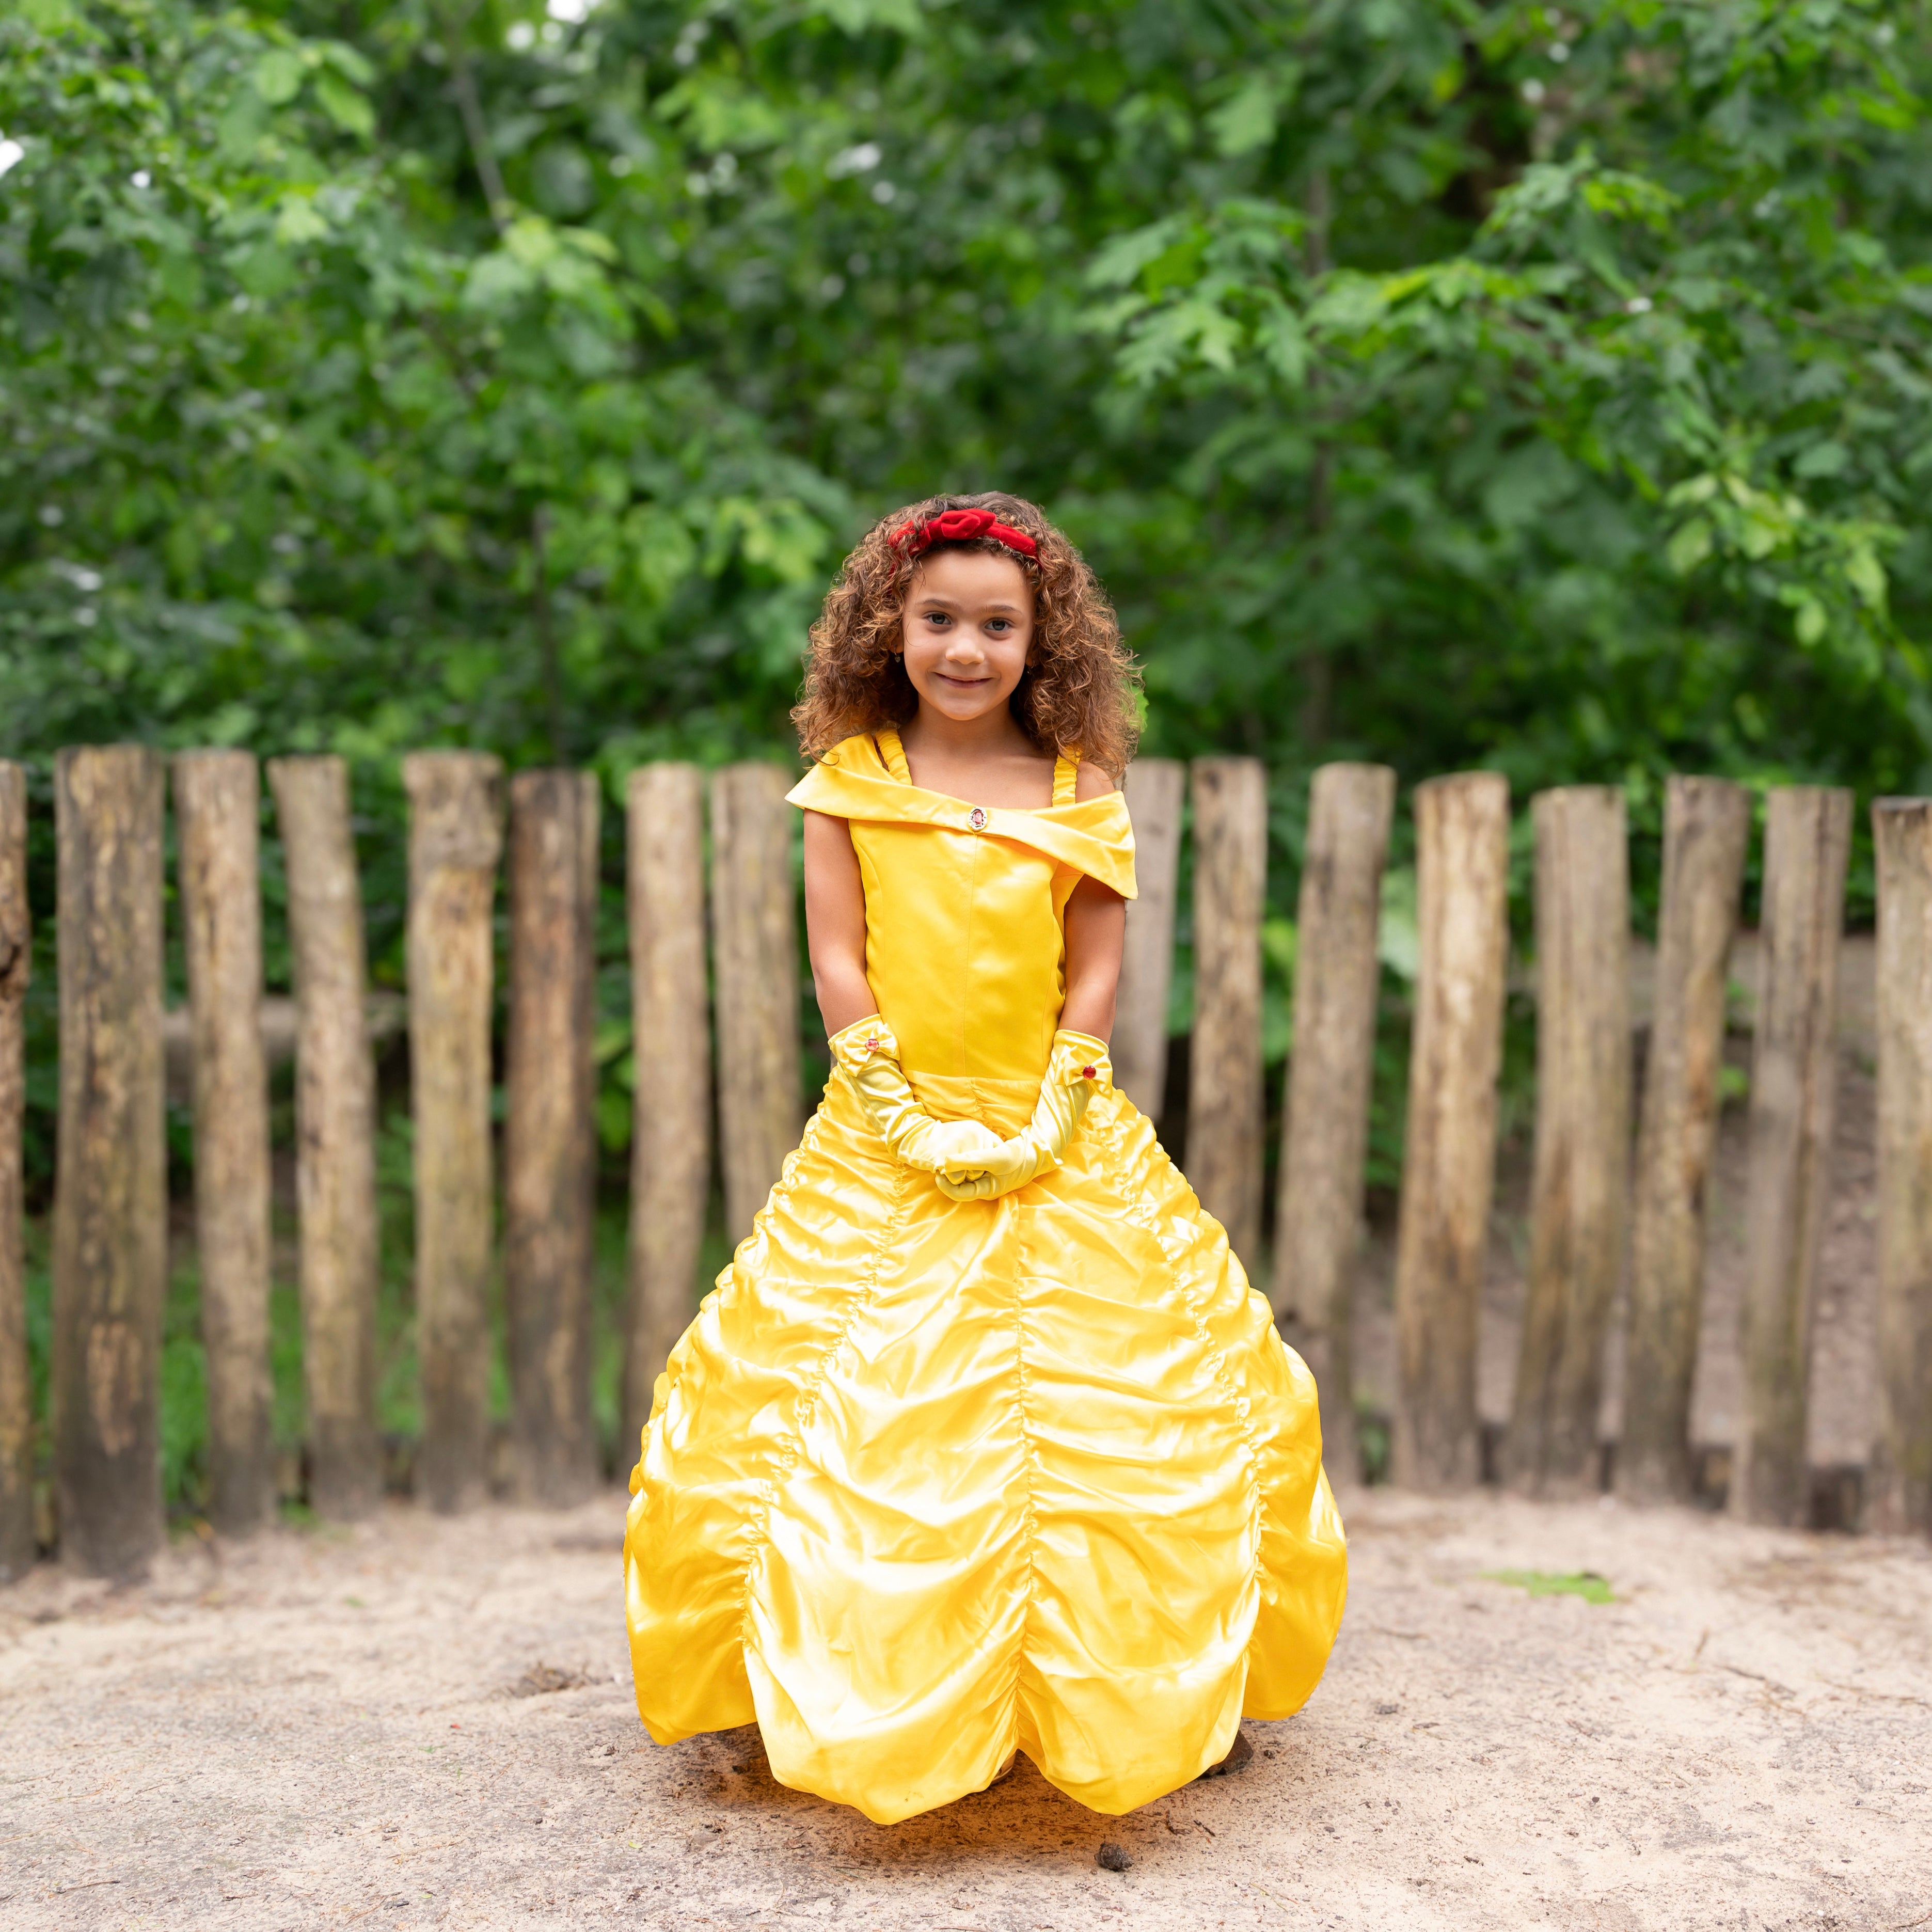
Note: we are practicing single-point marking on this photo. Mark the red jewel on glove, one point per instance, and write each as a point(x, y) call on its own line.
point(961, 526)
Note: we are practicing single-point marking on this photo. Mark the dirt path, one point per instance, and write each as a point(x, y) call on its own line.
point(323, 1730)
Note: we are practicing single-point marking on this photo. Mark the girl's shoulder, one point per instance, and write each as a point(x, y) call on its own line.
point(1090, 782)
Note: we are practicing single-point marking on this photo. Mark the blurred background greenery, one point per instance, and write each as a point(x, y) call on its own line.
point(1541, 388)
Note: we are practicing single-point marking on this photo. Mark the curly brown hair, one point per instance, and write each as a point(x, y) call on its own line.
point(1077, 694)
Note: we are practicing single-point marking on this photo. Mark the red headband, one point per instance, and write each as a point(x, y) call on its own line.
point(961, 526)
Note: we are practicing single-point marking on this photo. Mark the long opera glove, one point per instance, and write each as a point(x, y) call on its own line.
point(1076, 1070)
point(869, 1055)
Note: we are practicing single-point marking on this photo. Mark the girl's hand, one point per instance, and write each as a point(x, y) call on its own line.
point(1077, 1069)
point(868, 1055)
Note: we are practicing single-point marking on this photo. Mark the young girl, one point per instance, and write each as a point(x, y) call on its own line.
point(982, 1443)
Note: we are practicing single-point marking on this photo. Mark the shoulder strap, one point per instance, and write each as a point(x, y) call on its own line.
point(1066, 771)
point(887, 740)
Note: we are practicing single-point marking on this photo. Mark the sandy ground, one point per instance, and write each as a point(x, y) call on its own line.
point(428, 1722)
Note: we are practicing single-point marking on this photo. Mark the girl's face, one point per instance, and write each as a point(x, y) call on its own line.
point(966, 632)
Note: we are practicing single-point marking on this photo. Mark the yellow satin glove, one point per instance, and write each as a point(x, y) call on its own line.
point(869, 1055)
point(1077, 1068)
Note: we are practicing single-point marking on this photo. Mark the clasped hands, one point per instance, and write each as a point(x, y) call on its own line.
point(968, 1159)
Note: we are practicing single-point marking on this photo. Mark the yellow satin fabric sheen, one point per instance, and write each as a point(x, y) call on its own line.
point(928, 1480)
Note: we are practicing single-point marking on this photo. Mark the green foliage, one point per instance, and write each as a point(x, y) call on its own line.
point(1627, 480)
point(184, 1392)
point(308, 451)
point(1543, 388)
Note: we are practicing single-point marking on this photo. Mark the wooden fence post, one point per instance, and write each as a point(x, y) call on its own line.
point(456, 837)
point(1324, 1139)
point(335, 1133)
point(1706, 830)
point(110, 1200)
point(217, 825)
point(1580, 1188)
point(550, 1142)
point(1794, 1084)
point(1449, 1163)
point(16, 1386)
point(1224, 1100)
point(670, 1035)
point(755, 956)
point(1902, 1465)
point(1139, 1047)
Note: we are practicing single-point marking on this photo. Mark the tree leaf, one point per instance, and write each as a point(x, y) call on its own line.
point(1866, 575)
point(348, 108)
point(297, 221)
point(1245, 120)
point(857, 16)
point(1690, 544)
point(278, 76)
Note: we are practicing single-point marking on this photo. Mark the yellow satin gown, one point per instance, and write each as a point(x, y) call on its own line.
point(928, 1480)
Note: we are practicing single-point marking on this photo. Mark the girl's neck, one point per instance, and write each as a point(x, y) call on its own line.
point(987, 760)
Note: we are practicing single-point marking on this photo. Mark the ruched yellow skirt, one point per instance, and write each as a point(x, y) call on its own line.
point(928, 1480)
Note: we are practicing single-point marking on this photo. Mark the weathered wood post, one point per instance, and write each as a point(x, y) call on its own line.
point(1580, 1186)
point(1706, 829)
point(756, 959)
point(1224, 1100)
point(335, 1133)
point(670, 1044)
point(1902, 1462)
point(218, 826)
point(16, 1386)
point(550, 1141)
point(1139, 1046)
point(1794, 1089)
point(1449, 1163)
point(110, 1198)
point(456, 837)
point(1324, 1141)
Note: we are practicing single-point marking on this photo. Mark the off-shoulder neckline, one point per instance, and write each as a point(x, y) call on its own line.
point(891, 749)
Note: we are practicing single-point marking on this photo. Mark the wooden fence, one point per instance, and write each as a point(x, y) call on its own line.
point(1611, 1197)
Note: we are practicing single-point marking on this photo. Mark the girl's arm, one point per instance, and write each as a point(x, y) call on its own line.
point(835, 923)
point(1097, 928)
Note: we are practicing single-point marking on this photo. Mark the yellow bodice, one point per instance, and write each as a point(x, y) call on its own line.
point(965, 919)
